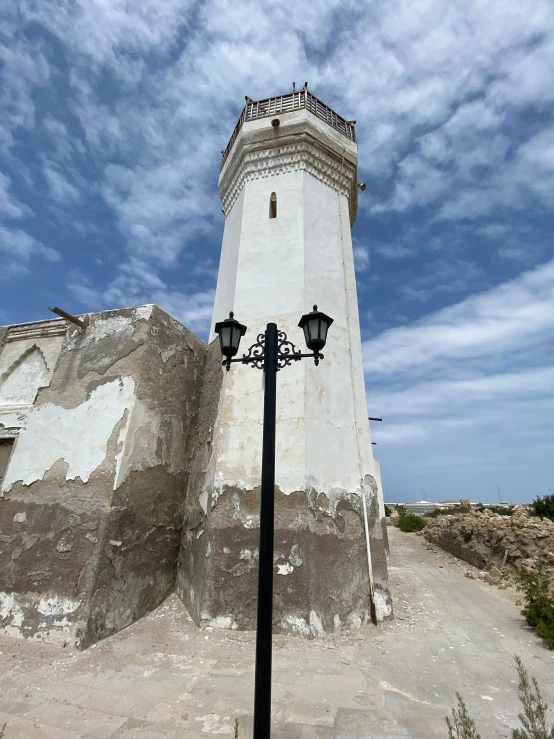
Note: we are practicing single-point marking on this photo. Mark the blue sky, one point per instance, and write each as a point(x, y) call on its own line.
point(112, 117)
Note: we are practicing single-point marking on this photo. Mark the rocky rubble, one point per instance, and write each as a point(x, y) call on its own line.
point(498, 546)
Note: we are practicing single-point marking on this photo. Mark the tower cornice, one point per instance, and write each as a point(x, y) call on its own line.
point(297, 144)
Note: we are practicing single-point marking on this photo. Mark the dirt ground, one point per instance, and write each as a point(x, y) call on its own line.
point(163, 678)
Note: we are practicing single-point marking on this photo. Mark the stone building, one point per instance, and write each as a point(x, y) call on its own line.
point(129, 460)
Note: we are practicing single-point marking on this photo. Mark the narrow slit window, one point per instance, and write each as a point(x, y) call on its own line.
point(273, 206)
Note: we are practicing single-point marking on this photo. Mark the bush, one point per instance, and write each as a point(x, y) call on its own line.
point(410, 522)
point(533, 718)
point(463, 726)
point(539, 605)
point(450, 511)
point(388, 511)
point(497, 509)
point(544, 507)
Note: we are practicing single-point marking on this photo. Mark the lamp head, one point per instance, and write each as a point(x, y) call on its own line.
point(230, 333)
point(315, 326)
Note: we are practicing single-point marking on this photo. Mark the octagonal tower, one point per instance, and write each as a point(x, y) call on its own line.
point(289, 187)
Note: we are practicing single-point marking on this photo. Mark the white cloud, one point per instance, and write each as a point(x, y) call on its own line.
point(10, 207)
point(136, 284)
point(467, 394)
point(394, 251)
point(17, 248)
point(361, 255)
point(157, 89)
point(62, 191)
point(515, 314)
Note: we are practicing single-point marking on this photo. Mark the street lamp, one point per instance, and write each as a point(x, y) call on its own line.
point(271, 352)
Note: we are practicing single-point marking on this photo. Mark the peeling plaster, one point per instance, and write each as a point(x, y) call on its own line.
point(53, 617)
point(285, 569)
point(53, 432)
point(12, 419)
point(21, 383)
point(222, 622)
point(56, 606)
point(296, 625)
point(354, 620)
point(249, 555)
point(294, 557)
point(144, 312)
point(316, 624)
point(11, 615)
point(168, 353)
point(203, 500)
point(383, 607)
point(102, 327)
point(137, 451)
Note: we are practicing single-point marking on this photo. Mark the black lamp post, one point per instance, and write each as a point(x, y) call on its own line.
point(271, 352)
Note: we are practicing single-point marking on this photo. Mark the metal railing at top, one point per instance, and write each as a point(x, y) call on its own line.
point(284, 104)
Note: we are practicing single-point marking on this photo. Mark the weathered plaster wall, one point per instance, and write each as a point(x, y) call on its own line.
point(194, 570)
point(381, 500)
point(28, 355)
point(93, 494)
point(137, 570)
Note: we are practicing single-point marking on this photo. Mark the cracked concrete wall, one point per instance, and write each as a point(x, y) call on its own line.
point(193, 573)
point(93, 496)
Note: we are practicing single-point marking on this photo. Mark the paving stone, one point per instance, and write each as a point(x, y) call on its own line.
point(286, 731)
point(137, 729)
point(355, 721)
point(77, 719)
point(313, 714)
point(21, 728)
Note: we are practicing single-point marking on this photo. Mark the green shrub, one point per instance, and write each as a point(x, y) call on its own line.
point(401, 510)
point(410, 522)
point(539, 602)
point(533, 718)
point(544, 507)
point(450, 511)
point(388, 511)
point(463, 726)
point(502, 510)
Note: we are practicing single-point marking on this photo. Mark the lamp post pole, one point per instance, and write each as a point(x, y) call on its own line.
point(271, 352)
point(262, 690)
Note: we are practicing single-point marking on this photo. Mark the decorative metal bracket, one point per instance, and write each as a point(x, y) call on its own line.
point(286, 354)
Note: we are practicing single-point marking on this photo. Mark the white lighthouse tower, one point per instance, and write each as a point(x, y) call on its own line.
point(289, 187)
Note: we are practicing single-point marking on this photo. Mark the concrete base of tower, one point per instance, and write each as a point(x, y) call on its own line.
point(321, 574)
point(321, 581)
